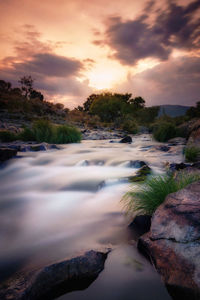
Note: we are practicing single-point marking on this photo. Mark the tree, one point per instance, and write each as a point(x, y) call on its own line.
point(35, 94)
point(87, 104)
point(26, 85)
point(137, 103)
point(194, 112)
point(5, 86)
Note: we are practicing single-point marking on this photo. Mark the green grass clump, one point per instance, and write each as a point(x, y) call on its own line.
point(26, 135)
point(7, 136)
point(64, 134)
point(43, 131)
point(192, 154)
point(130, 126)
point(164, 132)
point(147, 197)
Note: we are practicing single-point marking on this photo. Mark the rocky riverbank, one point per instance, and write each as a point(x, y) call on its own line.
point(173, 242)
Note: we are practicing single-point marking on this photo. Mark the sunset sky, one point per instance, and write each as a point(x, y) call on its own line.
point(73, 48)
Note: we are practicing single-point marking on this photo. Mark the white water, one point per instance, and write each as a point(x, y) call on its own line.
point(57, 204)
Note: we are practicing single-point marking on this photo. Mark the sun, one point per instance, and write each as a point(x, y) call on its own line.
point(105, 77)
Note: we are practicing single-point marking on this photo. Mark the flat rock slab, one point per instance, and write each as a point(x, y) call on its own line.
point(55, 280)
point(173, 242)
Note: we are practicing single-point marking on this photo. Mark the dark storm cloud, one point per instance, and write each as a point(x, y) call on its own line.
point(50, 65)
point(173, 27)
point(173, 82)
point(54, 74)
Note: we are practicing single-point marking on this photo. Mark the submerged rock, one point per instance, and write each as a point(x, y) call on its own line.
point(7, 153)
point(57, 279)
point(173, 242)
point(126, 139)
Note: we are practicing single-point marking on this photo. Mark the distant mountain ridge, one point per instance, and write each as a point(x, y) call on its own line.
point(173, 110)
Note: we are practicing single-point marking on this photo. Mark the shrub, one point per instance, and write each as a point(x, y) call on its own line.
point(192, 153)
point(130, 126)
point(64, 134)
point(26, 135)
point(43, 131)
point(147, 197)
point(7, 136)
point(164, 131)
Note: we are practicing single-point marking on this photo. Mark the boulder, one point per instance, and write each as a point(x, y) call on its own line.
point(126, 139)
point(55, 280)
point(173, 242)
point(7, 153)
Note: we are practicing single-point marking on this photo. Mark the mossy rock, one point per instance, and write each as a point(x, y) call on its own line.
point(141, 174)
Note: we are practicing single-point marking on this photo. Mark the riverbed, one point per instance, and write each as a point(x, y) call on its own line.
point(60, 203)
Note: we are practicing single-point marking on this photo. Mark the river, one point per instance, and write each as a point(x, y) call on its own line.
point(59, 203)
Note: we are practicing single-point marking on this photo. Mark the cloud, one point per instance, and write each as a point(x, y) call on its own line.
point(55, 75)
point(50, 64)
point(171, 82)
point(174, 27)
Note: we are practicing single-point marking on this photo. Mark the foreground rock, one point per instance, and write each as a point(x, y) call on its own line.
point(6, 153)
point(173, 243)
point(55, 280)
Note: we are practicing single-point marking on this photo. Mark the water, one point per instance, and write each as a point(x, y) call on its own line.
point(57, 204)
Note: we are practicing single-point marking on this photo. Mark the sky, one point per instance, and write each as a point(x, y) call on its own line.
point(73, 48)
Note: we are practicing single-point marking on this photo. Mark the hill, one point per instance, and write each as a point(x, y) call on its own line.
point(173, 110)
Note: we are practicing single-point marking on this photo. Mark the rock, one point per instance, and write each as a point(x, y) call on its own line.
point(194, 138)
point(177, 167)
point(141, 174)
point(7, 153)
point(137, 164)
point(163, 148)
point(140, 224)
point(57, 279)
point(177, 141)
point(126, 139)
point(39, 147)
point(173, 242)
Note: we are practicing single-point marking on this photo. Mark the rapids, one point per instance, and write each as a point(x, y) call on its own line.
point(58, 203)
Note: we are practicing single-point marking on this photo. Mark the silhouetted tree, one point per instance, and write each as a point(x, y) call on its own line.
point(35, 94)
point(5, 86)
point(26, 85)
point(194, 112)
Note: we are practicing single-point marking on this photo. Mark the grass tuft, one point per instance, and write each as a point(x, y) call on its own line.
point(7, 136)
point(148, 196)
point(192, 154)
point(64, 134)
